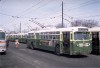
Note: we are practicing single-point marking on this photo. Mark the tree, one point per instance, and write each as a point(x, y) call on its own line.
point(85, 23)
point(59, 25)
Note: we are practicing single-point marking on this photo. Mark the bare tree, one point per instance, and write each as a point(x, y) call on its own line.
point(86, 23)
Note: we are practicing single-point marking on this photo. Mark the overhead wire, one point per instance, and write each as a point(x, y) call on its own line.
point(29, 27)
point(40, 7)
point(2, 3)
point(80, 4)
point(35, 9)
point(5, 14)
point(16, 16)
point(50, 17)
point(90, 16)
point(23, 17)
point(26, 9)
point(77, 7)
point(85, 4)
point(30, 7)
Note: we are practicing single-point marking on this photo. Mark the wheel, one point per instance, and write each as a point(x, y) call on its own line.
point(4, 53)
point(57, 50)
point(32, 46)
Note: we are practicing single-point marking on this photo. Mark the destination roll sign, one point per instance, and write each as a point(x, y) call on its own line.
point(82, 29)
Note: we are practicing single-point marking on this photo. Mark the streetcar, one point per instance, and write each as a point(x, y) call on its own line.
point(2, 41)
point(11, 37)
point(95, 40)
point(71, 40)
point(22, 37)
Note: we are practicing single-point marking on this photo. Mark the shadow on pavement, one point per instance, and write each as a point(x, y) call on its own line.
point(75, 56)
point(65, 55)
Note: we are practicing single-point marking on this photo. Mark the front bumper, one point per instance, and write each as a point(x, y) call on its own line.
point(2, 50)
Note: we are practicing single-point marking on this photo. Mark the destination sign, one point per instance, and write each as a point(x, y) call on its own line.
point(82, 29)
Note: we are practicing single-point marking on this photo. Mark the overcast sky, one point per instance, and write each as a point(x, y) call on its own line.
point(46, 12)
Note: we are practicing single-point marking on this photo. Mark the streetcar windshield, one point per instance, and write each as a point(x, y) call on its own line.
point(81, 35)
point(2, 36)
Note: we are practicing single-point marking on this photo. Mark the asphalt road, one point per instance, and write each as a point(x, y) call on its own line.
point(27, 58)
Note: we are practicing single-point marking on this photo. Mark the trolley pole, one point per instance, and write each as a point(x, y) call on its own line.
point(62, 15)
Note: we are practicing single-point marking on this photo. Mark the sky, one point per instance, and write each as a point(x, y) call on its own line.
point(45, 12)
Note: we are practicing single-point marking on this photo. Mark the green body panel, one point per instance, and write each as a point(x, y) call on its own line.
point(22, 40)
point(71, 49)
point(49, 48)
point(11, 39)
point(65, 49)
point(37, 44)
point(74, 49)
point(29, 42)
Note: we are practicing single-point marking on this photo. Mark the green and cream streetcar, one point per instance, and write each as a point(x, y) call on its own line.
point(22, 37)
point(71, 40)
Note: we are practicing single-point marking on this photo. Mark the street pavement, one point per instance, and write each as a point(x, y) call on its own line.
point(23, 57)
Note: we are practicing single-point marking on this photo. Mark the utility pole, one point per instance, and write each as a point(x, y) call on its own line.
point(62, 15)
point(20, 27)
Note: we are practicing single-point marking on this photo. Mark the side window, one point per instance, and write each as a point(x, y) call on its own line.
point(50, 36)
point(53, 37)
point(71, 36)
point(66, 36)
point(46, 36)
point(57, 37)
point(94, 34)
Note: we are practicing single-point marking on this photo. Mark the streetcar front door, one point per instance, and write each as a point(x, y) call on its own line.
point(37, 40)
point(66, 42)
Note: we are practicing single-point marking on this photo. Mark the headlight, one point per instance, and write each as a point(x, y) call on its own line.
point(87, 44)
point(80, 45)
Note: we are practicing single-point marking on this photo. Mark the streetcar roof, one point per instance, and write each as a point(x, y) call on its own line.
point(95, 29)
point(19, 34)
point(22, 33)
point(58, 29)
point(2, 30)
